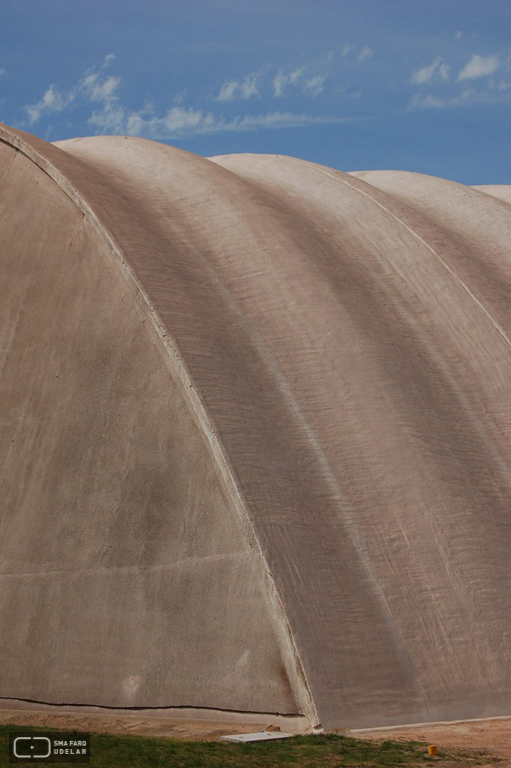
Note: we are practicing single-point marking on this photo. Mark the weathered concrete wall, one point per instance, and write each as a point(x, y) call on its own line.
point(502, 191)
point(127, 576)
point(343, 346)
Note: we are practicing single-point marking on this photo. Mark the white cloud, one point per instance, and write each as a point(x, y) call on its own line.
point(115, 119)
point(276, 120)
point(295, 75)
point(178, 122)
point(479, 66)
point(228, 91)
point(470, 92)
point(443, 71)
point(437, 70)
point(281, 80)
point(467, 98)
point(2, 71)
point(418, 101)
point(94, 86)
point(315, 85)
point(98, 89)
point(458, 35)
point(249, 86)
point(240, 89)
point(110, 119)
point(51, 101)
point(365, 53)
point(110, 116)
point(311, 86)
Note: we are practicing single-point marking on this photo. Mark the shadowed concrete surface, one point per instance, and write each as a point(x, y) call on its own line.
point(255, 436)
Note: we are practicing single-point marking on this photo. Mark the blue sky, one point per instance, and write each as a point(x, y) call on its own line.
point(421, 85)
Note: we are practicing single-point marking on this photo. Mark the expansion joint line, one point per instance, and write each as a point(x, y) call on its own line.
point(426, 245)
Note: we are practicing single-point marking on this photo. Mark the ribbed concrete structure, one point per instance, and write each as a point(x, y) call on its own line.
point(255, 435)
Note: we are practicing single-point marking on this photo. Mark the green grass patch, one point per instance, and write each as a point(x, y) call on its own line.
point(322, 751)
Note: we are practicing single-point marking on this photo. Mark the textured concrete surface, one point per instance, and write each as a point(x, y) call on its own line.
point(273, 474)
point(128, 578)
point(502, 191)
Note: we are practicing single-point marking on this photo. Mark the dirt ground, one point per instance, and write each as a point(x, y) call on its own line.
point(491, 736)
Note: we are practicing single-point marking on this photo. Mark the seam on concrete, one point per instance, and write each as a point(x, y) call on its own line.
point(150, 708)
point(333, 484)
point(426, 245)
point(206, 559)
point(496, 455)
point(463, 400)
point(180, 369)
point(336, 489)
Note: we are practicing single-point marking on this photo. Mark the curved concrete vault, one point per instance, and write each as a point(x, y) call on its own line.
point(255, 435)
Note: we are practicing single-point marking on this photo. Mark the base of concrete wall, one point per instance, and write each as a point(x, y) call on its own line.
point(287, 723)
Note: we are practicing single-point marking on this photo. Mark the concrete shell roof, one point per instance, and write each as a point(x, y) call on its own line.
point(340, 345)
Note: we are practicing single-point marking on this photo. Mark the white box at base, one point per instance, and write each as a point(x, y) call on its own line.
point(245, 738)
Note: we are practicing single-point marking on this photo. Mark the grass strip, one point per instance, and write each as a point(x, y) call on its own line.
point(320, 751)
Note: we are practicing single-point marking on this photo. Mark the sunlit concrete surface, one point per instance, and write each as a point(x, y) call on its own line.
point(255, 436)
